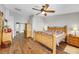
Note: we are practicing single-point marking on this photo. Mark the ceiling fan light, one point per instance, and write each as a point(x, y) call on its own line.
point(43, 12)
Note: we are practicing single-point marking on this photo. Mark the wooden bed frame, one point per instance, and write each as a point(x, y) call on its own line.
point(47, 40)
point(63, 29)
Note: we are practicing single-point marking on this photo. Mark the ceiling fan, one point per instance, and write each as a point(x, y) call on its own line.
point(44, 10)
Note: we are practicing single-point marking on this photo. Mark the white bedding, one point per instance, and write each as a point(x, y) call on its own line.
point(60, 37)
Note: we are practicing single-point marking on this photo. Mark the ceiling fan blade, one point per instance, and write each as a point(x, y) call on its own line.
point(49, 11)
point(36, 9)
point(45, 6)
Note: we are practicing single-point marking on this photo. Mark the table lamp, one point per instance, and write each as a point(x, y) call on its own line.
point(45, 27)
point(75, 29)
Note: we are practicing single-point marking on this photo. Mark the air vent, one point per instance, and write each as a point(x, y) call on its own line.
point(17, 9)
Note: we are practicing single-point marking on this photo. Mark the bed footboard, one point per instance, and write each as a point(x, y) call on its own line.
point(47, 40)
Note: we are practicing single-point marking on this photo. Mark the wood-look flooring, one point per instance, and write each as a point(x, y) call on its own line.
point(20, 45)
point(60, 48)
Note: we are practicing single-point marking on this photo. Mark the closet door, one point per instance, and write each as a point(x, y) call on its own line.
point(28, 30)
point(1, 25)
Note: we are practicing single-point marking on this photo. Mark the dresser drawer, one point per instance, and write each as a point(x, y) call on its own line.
point(7, 37)
point(73, 40)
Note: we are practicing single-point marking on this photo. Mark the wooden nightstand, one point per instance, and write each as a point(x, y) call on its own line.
point(73, 40)
point(6, 40)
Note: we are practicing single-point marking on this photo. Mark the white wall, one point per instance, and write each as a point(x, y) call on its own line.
point(61, 20)
point(2, 8)
point(70, 20)
point(8, 16)
point(21, 19)
point(37, 23)
point(12, 18)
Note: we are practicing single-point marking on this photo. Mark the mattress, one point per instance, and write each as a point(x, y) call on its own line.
point(60, 36)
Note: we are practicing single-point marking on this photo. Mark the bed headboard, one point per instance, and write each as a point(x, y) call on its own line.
point(64, 29)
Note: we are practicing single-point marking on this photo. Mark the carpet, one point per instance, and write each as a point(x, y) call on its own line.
point(71, 50)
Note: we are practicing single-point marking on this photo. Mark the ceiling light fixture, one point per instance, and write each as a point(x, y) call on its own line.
point(43, 12)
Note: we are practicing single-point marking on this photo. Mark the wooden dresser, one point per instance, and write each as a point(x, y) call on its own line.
point(73, 40)
point(7, 37)
point(1, 26)
point(28, 30)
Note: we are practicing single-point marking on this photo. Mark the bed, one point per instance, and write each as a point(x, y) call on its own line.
point(51, 37)
point(61, 33)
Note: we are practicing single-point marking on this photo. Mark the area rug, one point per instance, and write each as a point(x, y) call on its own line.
point(71, 50)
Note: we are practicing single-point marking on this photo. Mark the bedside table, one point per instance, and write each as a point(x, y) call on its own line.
point(73, 40)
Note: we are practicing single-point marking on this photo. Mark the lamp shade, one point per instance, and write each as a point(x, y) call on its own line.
point(75, 28)
point(45, 27)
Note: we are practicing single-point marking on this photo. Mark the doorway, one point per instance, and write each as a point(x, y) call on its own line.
point(19, 30)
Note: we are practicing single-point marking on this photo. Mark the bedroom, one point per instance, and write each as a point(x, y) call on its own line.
point(17, 15)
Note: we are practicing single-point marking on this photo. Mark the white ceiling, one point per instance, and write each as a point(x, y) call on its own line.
point(26, 9)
